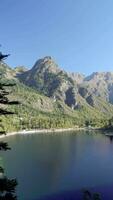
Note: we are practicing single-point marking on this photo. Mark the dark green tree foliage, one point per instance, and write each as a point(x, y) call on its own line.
point(7, 186)
point(2, 56)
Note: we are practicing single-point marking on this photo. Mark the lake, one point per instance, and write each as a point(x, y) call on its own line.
point(47, 164)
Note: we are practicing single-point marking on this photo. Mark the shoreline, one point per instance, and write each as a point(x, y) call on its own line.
point(38, 131)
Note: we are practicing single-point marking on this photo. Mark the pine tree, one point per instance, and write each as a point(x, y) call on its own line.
point(7, 186)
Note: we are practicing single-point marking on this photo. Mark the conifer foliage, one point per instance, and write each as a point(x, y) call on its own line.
point(7, 186)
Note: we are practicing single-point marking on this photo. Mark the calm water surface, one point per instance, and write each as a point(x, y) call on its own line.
point(52, 163)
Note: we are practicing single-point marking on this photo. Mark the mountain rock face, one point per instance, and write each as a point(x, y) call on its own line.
point(77, 77)
point(49, 79)
point(71, 88)
point(98, 85)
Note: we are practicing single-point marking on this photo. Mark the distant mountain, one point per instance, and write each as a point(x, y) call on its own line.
point(20, 69)
point(100, 85)
point(71, 88)
point(55, 98)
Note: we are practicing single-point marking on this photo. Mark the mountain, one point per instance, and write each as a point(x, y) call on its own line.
point(49, 79)
point(51, 97)
point(71, 88)
point(100, 85)
point(6, 71)
point(20, 69)
point(77, 77)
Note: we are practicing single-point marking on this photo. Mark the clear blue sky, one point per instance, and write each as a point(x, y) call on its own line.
point(78, 34)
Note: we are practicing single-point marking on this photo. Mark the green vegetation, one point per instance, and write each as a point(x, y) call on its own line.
point(68, 105)
point(37, 111)
point(7, 186)
point(109, 124)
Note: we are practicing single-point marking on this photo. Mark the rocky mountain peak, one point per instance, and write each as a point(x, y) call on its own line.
point(106, 76)
point(46, 64)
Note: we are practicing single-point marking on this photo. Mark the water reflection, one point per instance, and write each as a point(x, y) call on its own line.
point(50, 163)
point(110, 138)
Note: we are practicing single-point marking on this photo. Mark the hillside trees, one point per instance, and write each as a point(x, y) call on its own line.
point(7, 186)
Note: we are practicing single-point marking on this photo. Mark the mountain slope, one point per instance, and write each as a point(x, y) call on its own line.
point(100, 85)
point(50, 97)
point(49, 79)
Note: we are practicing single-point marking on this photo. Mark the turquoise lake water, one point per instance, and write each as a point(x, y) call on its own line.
point(52, 163)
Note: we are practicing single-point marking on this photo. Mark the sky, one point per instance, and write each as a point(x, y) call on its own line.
point(78, 34)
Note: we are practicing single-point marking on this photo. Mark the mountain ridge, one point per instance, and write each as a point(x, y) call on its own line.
point(48, 78)
point(50, 92)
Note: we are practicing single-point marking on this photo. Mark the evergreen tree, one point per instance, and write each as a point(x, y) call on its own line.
point(7, 186)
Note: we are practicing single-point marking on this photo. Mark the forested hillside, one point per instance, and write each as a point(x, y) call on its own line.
point(52, 98)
